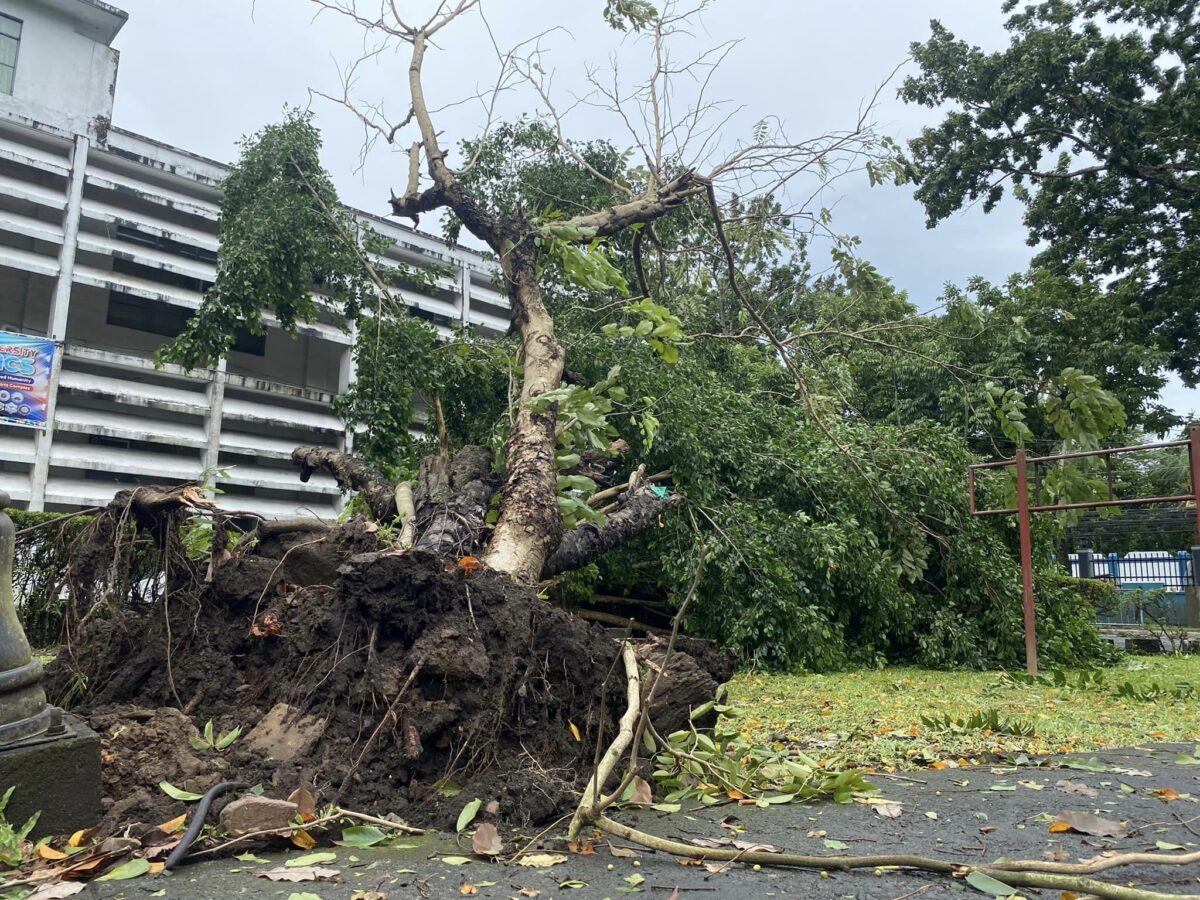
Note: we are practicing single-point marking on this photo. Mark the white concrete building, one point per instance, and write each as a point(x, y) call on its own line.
point(108, 241)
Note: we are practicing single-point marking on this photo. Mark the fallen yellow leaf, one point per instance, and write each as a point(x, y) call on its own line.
point(303, 839)
point(174, 825)
point(45, 851)
point(468, 890)
point(575, 731)
point(80, 837)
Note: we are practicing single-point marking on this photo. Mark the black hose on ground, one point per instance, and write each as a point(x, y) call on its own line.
point(197, 824)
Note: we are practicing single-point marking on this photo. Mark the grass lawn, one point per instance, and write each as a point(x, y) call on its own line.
point(874, 718)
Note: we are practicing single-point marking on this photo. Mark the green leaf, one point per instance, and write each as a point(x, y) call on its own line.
point(131, 869)
point(449, 788)
point(302, 895)
point(362, 836)
point(467, 816)
point(226, 740)
point(1166, 845)
point(988, 885)
point(250, 857)
point(177, 793)
point(455, 860)
point(836, 845)
point(311, 859)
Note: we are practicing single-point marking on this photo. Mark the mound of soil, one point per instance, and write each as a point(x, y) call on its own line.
point(378, 680)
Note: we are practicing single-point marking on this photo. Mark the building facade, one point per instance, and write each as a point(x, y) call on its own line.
point(108, 241)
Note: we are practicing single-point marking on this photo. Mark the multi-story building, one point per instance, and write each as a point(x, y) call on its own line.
point(108, 241)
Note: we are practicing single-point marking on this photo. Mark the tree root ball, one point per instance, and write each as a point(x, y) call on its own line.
point(387, 682)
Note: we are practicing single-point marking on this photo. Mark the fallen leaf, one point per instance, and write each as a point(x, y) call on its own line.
point(817, 833)
point(468, 890)
point(174, 825)
point(45, 851)
point(1167, 845)
point(581, 848)
point(303, 839)
point(456, 860)
point(467, 816)
point(987, 885)
point(1076, 787)
point(178, 793)
point(368, 895)
point(623, 852)
point(306, 804)
point(250, 858)
point(888, 810)
point(57, 891)
point(987, 829)
point(300, 873)
point(469, 565)
point(302, 895)
point(716, 843)
point(312, 859)
point(1086, 823)
point(529, 892)
point(836, 845)
point(1166, 793)
point(573, 884)
point(541, 860)
point(931, 815)
point(575, 733)
point(270, 627)
point(641, 791)
point(79, 838)
point(486, 840)
point(362, 836)
point(134, 868)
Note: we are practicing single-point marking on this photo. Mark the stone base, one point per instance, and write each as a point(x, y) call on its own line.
point(57, 775)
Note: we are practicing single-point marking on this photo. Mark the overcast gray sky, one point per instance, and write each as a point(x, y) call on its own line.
point(202, 75)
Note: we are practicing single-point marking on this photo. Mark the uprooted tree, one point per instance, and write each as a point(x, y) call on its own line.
point(402, 652)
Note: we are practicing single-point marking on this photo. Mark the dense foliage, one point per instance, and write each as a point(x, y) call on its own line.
point(288, 247)
point(1092, 116)
point(837, 519)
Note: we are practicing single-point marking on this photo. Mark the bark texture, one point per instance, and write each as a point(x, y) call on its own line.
point(352, 473)
point(452, 500)
point(530, 524)
point(586, 543)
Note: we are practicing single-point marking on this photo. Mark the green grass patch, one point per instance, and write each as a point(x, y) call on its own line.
point(906, 718)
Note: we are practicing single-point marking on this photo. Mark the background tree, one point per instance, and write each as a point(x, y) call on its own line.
point(1091, 116)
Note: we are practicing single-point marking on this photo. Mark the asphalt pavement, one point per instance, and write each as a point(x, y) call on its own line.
point(968, 815)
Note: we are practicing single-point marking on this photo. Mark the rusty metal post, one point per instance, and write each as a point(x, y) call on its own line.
point(1194, 467)
point(1031, 662)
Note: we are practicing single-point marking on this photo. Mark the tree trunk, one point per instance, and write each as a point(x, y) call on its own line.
point(530, 525)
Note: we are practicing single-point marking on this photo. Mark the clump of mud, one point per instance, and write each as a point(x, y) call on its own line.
point(379, 680)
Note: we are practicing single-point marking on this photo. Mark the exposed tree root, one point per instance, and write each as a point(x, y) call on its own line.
point(351, 473)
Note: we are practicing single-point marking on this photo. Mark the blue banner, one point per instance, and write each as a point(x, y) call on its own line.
point(25, 364)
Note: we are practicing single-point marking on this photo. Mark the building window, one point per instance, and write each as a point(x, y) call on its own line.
point(155, 317)
point(10, 42)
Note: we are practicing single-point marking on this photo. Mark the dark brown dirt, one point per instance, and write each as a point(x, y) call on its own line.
point(334, 628)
